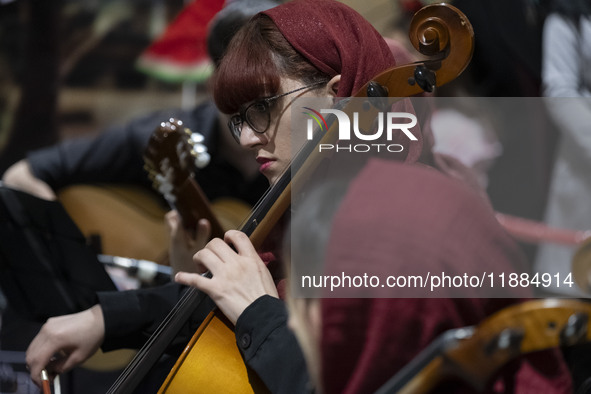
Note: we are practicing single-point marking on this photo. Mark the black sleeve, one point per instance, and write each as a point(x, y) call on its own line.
point(115, 155)
point(132, 316)
point(270, 348)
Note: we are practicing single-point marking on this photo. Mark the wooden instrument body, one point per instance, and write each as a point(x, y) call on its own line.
point(514, 331)
point(128, 220)
point(215, 341)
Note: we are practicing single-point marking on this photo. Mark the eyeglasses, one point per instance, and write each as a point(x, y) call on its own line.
point(257, 114)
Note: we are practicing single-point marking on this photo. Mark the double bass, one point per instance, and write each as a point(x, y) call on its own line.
point(474, 354)
point(441, 33)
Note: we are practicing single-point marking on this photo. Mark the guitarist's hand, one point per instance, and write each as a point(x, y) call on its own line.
point(19, 176)
point(239, 276)
point(65, 342)
point(183, 245)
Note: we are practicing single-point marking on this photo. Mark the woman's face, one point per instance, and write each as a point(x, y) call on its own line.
point(273, 148)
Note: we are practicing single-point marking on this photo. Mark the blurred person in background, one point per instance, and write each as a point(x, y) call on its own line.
point(566, 72)
point(115, 156)
point(357, 338)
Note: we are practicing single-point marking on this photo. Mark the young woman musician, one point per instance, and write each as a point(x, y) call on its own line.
point(318, 48)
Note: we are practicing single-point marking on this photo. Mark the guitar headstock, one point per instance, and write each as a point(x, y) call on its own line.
point(172, 154)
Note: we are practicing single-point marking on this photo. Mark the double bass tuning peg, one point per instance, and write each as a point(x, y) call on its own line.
point(425, 78)
point(378, 96)
point(374, 89)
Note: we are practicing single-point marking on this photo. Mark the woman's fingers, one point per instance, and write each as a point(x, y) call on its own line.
point(209, 260)
point(195, 280)
point(239, 276)
point(241, 242)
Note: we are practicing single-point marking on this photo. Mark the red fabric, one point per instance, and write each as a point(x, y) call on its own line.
point(184, 41)
point(393, 219)
point(336, 39)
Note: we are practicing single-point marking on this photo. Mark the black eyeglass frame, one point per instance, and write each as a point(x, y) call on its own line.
point(237, 120)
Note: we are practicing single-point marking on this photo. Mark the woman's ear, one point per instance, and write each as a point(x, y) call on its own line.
point(332, 86)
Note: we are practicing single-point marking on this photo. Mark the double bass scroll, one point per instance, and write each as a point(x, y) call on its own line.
point(474, 354)
point(444, 35)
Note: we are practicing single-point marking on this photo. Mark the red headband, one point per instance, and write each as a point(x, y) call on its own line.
point(336, 39)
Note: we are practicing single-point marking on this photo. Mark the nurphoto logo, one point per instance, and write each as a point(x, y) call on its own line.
point(388, 124)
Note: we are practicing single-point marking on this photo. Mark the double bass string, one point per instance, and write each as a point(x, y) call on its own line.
point(158, 342)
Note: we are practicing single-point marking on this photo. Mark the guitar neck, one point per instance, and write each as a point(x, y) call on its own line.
point(192, 205)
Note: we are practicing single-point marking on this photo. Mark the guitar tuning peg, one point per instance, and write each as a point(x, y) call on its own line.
point(150, 170)
point(202, 160)
point(199, 149)
point(196, 138)
point(152, 175)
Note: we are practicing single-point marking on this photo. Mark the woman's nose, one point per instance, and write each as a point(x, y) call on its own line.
point(250, 138)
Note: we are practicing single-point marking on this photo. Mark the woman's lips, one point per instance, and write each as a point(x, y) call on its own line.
point(264, 162)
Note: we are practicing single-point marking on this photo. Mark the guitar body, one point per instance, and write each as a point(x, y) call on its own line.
point(129, 221)
point(215, 342)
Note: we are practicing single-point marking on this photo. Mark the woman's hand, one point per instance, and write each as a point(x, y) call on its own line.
point(65, 342)
point(183, 245)
point(239, 276)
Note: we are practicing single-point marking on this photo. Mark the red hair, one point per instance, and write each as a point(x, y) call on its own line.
point(256, 59)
